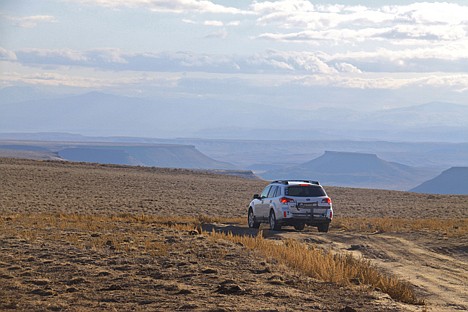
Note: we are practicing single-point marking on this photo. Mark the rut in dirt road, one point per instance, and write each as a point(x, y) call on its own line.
point(442, 280)
point(442, 277)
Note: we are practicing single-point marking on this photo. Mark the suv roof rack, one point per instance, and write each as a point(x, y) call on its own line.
point(286, 182)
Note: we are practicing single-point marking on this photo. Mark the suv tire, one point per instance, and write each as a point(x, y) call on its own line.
point(323, 227)
point(251, 220)
point(274, 226)
point(299, 226)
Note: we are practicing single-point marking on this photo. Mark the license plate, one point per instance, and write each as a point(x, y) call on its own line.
point(307, 205)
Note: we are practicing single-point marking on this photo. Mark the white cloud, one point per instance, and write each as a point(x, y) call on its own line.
point(51, 57)
point(409, 60)
point(56, 79)
point(87, 78)
point(233, 23)
point(213, 23)
point(167, 6)
point(220, 34)
point(109, 56)
point(189, 21)
point(433, 33)
point(300, 20)
point(29, 21)
point(456, 82)
point(430, 13)
point(302, 61)
point(7, 55)
point(271, 61)
point(452, 57)
point(347, 68)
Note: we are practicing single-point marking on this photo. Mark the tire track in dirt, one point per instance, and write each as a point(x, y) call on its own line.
point(440, 279)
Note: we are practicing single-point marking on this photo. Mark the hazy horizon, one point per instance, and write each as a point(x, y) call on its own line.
point(235, 68)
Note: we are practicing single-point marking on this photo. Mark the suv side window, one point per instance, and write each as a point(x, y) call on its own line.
point(278, 192)
point(265, 192)
point(272, 191)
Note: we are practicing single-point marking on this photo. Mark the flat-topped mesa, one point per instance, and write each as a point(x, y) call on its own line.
point(353, 170)
point(451, 181)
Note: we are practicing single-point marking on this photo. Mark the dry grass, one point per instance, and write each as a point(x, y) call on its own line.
point(363, 203)
point(342, 269)
point(60, 262)
point(448, 227)
point(100, 209)
point(55, 187)
point(92, 231)
point(122, 232)
point(47, 187)
point(113, 232)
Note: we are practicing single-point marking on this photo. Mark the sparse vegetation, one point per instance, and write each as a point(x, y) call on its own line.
point(104, 232)
point(91, 233)
point(449, 227)
point(342, 269)
point(157, 257)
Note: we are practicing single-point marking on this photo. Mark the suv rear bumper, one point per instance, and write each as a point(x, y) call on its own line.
point(304, 220)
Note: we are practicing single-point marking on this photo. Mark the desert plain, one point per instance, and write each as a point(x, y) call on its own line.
point(89, 237)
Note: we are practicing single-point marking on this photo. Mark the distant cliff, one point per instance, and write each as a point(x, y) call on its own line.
point(353, 170)
point(451, 181)
point(154, 155)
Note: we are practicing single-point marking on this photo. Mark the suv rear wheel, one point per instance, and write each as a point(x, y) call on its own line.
point(299, 226)
point(251, 220)
point(323, 227)
point(273, 223)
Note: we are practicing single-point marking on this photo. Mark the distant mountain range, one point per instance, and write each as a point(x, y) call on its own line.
point(350, 169)
point(451, 181)
point(154, 155)
point(263, 155)
point(100, 114)
point(167, 156)
point(354, 170)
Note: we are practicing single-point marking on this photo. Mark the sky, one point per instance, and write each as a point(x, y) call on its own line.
point(304, 54)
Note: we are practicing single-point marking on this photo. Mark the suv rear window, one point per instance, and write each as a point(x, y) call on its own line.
point(305, 191)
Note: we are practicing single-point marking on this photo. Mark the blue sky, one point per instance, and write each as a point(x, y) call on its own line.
point(366, 54)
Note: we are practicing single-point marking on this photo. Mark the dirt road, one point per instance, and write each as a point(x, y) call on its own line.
point(437, 266)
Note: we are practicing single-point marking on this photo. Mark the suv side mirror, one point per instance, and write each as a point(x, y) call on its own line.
point(256, 196)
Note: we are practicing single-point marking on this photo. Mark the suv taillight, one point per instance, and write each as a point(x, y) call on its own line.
point(326, 200)
point(286, 200)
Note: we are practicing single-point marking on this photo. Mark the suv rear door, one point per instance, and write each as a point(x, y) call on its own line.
point(308, 199)
point(268, 201)
point(261, 203)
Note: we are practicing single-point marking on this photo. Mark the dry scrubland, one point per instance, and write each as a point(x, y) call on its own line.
point(84, 237)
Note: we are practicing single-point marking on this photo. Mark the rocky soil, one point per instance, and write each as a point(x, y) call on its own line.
point(118, 258)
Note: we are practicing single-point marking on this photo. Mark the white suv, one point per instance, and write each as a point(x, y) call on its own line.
point(291, 202)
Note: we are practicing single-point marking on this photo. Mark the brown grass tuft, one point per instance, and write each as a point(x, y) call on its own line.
point(105, 232)
point(449, 227)
point(342, 269)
